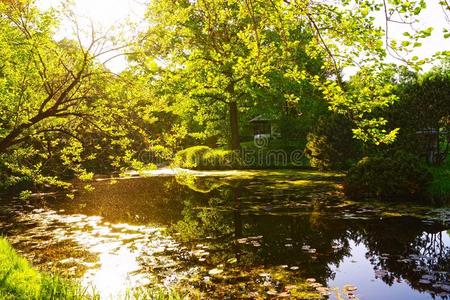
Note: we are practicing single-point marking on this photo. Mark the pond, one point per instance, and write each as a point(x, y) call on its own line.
point(255, 235)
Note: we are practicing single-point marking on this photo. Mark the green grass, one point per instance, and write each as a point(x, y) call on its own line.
point(158, 293)
point(440, 187)
point(19, 280)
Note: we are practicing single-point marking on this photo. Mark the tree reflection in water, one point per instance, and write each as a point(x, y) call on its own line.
point(400, 249)
point(251, 237)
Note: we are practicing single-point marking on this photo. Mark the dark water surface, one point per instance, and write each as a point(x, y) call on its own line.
point(236, 237)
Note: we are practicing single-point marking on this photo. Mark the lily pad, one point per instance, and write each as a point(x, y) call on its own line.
point(215, 271)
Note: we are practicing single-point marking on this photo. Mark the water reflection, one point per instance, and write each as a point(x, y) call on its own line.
point(254, 238)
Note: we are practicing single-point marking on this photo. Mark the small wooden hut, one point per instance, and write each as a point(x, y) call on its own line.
point(261, 125)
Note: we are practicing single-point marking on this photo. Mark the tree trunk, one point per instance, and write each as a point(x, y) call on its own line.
point(234, 125)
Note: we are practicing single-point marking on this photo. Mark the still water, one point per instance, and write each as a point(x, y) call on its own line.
point(254, 237)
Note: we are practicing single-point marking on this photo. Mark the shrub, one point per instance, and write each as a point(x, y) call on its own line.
point(331, 145)
point(388, 177)
point(423, 105)
point(278, 153)
point(203, 157)
point(439, 189)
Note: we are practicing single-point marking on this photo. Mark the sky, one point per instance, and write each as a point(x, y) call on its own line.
point(104, 14)
point(108, 13)
point(433, 16)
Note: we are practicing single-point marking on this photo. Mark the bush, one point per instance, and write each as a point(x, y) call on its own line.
point(388, 177)
point(278, 153)
point(423, 105)
point(331, 145)
point(251, 157)
point(439, 189)
point(205, 158)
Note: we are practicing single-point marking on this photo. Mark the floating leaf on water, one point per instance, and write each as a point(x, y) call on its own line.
point(324, 291)
point(272, 292)
point(381, 273)
point(232, 260)
point(159, 249)
point(445, 287)
point(290, 287)
point(198, 252)
point(350, 288)
point(254, 295)
point(215, 271)
point(428, 277)
point(288, 245)
point(424, 281)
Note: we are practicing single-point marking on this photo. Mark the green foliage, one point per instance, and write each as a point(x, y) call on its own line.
point(439, 189)
point(62, 113)
point(401, 176)
point(331, 144)
point(423, 105)
point(366, 93)
point(198, 73)
point(204, 158)
point(229, 58)
point(278, 154)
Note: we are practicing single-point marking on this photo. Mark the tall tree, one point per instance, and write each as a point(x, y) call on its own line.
point(57, 99)
point(219, 50)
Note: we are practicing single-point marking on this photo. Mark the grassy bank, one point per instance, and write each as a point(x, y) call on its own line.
point(19, 280)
